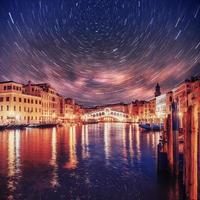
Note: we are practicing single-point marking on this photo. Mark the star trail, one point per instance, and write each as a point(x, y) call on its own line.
point(100, 51)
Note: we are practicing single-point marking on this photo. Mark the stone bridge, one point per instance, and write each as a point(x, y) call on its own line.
point(106, 115)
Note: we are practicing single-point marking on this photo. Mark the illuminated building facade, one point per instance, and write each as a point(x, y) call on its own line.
point(18, 106)
point(69, 110)
point(161, 108)
point(35, 103)
point(185, 95)
point(51, 100)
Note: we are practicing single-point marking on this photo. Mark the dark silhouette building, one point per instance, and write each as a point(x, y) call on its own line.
point(157, 90)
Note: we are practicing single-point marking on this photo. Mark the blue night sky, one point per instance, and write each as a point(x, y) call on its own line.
point(102, 51)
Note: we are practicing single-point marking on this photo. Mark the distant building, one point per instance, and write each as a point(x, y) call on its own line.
point(157, 90)
point(161, 107)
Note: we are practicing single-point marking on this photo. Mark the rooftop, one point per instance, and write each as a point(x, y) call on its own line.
point(3, 82)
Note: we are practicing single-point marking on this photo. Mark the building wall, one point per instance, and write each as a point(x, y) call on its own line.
point(69, 112)
point(52, 102)
point(18, 107)
point(161, 106)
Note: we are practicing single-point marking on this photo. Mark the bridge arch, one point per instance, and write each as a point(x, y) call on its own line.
point(106, 114)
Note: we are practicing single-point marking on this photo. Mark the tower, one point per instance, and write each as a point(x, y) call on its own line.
point(157, 90)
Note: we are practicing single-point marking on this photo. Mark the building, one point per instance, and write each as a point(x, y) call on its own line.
point(157, 90)
point(194, 95)
point(79, 111)
point(69, 110)
point(152, 110)
point(161, 107)
point(185, 94)
point(16, 106)
point(52, 102)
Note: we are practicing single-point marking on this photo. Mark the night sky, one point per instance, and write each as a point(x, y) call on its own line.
point(100, 51)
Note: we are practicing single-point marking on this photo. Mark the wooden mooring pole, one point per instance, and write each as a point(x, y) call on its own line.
point(175, 133)
point(170, 142)
point(198, 151)
point(198, 175)
point(191, 148)
point(191, 152)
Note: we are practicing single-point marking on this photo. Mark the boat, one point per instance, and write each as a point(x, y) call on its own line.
point(16, 126)
point(3, 126)
point(150, 127)
point(50, 125)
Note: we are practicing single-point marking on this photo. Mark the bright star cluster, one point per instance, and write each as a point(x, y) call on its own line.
point(100, 51)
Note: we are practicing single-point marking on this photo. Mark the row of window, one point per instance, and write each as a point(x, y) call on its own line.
point(12, 87)
point(7, 108)
point(20, 100)
point(49, 105)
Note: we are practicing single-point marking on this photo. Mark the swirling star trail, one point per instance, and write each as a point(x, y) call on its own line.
point(100, 51)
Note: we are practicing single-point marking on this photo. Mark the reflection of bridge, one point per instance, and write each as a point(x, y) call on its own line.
point(106, 115)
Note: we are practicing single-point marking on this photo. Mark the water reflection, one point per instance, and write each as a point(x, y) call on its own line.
point(85, 142)
point(53, 161)
point(72, 163)
point(107, 127)
point(124, 143)
point(130, 139)
point(101, 161)
point(13, 162)
point(137, 142)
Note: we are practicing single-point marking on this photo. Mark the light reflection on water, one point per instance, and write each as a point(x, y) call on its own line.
point(100, 161)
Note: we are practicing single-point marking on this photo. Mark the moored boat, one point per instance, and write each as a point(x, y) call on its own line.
point(3, 126)
point(46, 125)
point(150, 127)
point(16, 126)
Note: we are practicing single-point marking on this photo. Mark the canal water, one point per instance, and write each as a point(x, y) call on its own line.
point(99, 161)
